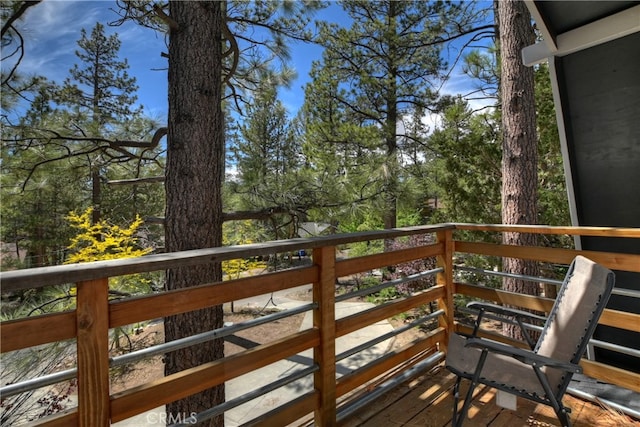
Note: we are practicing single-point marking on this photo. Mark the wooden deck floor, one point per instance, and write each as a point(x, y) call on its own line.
point(426, 402)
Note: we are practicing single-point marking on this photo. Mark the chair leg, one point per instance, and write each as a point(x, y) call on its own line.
point(462, 415)
point(562, 412)
point(475, 380)
point(563, 416)
point(457, 418)
point(456, 399)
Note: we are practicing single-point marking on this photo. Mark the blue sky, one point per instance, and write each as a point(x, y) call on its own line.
point(51, 30)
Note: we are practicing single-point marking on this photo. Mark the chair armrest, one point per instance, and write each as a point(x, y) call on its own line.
point(504, 311)
point(525, 356)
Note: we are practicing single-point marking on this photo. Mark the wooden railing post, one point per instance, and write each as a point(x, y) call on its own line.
point(92, 311)
point(324, 319)
point(445, 278)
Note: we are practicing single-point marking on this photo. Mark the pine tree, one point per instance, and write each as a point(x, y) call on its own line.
point(268, 158)
point(37, 192)
point(195, 139)
point(100, 93)
point(99, 86)
point(66, 135)
point(466, 169)
point(194, 173)
point(33, 213)
point(387, 63)
point(339, 151)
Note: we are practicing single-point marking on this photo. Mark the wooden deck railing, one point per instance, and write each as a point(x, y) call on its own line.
point(90, 323)
point(627, 321)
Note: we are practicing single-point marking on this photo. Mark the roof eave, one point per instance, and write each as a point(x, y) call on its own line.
point(606, 29)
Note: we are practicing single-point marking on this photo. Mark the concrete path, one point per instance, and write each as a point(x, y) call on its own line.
point(256, 379)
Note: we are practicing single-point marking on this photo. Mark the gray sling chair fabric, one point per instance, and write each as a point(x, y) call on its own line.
point(543, 373)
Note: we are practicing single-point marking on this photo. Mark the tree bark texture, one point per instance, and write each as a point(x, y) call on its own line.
point(519, 144)
point(194, 174)
point(390, 194)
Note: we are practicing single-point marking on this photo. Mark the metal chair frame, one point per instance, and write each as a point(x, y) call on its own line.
point(528, 357)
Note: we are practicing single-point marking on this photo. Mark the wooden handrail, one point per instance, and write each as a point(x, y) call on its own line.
point(57, 275)
point(445, 279)
point(359, 320)
point(351, 381)
point(556, 230)
point(28, 332)
point(614, 261)
point(356, 265)
point(168, 303)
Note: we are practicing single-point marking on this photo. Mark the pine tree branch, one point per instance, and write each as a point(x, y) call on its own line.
point(17, 15)
point(166, 18)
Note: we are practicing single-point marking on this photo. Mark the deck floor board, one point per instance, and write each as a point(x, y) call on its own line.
point(426, 401)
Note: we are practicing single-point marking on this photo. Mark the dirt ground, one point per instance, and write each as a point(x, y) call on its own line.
point(153, 368)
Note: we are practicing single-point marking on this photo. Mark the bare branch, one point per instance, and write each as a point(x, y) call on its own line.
point(233, 50)
point(151, 179)
point(19, 48)
point(166, 18)
point(17, 15)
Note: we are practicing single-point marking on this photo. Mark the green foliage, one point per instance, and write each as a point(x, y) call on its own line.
point(35, 202)
point(99, 87)
point(385, 295)
point(263, 32)
point(340, 173)
point(241, 233)
point(386, 53)
point(409, 217)
point(368, 220)
point(371, 75)
point(364, 281)
point(483, 69)
point(121, 203)
point(66, 136)
point(100, 241)
point(467, 168)
point(267, 155)
point(268, 160)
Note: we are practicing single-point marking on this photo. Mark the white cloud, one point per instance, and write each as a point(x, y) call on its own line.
point(50, 30)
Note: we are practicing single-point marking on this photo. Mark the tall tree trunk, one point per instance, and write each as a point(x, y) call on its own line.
point(392, 165)
point(96, 195)
point(194, 173)
point(519, 144)
point(390, 207)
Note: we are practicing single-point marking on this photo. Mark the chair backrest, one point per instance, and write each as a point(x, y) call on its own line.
point(574, 316)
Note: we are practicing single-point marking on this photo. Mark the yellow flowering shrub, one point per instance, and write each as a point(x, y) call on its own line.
point(102, 241)
point(239, 233)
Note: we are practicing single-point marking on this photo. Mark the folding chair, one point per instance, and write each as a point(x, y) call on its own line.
point(543, 373)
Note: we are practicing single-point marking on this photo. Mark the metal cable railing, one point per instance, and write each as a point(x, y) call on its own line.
point(135, 356)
